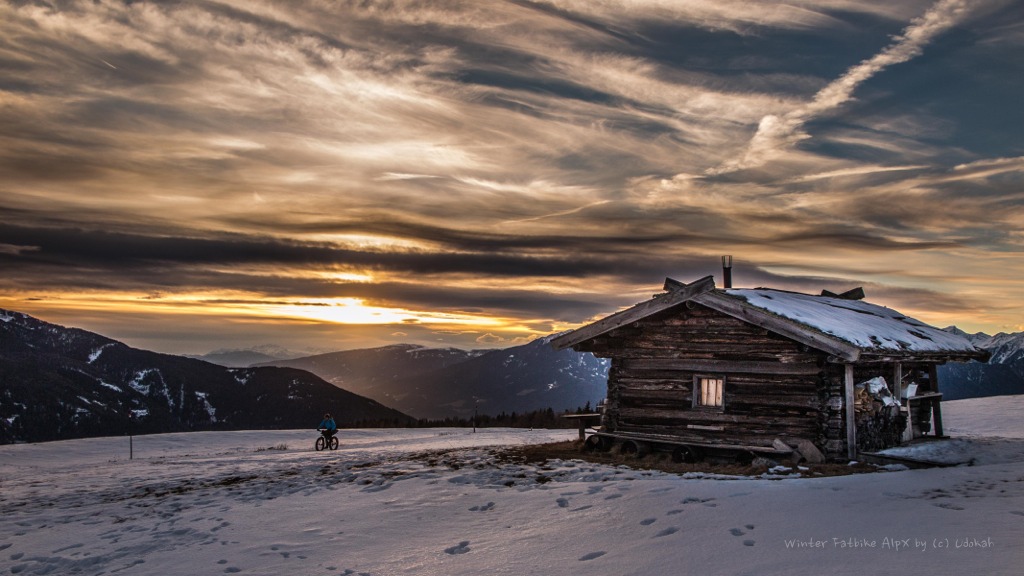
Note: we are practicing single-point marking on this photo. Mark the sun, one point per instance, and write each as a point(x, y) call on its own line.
point(357, 311)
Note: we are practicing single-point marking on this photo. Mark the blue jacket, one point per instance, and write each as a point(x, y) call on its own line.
point(328, 423)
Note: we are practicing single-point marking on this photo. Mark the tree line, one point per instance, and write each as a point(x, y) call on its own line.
point(542, 418)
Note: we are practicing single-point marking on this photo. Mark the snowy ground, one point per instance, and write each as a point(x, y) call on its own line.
point(223, 503)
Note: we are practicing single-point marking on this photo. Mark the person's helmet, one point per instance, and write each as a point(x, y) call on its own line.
point(327, 415)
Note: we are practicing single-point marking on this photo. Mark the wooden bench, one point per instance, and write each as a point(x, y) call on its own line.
point(585, 421)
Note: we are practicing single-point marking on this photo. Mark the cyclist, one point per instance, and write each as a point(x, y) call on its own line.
point(328, 426)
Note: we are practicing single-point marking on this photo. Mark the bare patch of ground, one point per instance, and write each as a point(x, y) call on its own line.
point(541, 453)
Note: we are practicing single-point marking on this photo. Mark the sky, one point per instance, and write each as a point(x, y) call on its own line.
point(200, 175)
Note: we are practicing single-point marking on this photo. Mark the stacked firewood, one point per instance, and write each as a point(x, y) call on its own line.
point(863, 402)
point(879, 421)
point(872, 397)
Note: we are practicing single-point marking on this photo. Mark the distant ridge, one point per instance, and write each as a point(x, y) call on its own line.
point(438, 383)
point(243, 358)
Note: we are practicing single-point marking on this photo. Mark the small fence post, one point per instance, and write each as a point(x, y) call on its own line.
point(131, 441)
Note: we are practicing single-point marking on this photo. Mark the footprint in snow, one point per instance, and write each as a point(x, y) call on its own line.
point(949, 506)
point(667, 532)
point(591, 556)
point(748, 542)
point(484, 508)
point(737, 532)
point(673, 512)
point(563, 502)
point(648, 521)
point(462, 548)
point(1017, 512)
point(612, 496)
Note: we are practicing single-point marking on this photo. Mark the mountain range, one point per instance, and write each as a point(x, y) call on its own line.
point(58, 382)
point(436, 383)
point(1003, 374)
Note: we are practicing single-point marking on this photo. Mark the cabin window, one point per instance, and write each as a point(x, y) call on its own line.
point(708, 391)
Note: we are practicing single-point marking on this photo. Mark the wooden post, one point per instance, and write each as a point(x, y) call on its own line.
point(131, 441)
point(937, 416)
point(908, 431)
point(933, 375)
point(851, 415)
point(897, 382)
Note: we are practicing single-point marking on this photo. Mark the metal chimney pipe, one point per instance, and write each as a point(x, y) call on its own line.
point(727, 271)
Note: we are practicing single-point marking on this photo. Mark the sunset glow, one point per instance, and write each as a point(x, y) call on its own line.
point(355, 311)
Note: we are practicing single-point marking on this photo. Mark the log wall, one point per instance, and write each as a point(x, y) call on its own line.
point(774, 386)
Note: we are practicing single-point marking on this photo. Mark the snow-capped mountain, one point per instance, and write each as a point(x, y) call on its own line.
point(1002, 374)
point(58, 382)
point(441, 383)
point(1005, 348)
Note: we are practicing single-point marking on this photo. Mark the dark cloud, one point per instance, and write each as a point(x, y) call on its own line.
point(116, 251)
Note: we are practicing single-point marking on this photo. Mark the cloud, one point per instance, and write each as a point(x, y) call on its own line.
point(777, 133)
point(736, 16)
point(855, 172)
point(489, 338)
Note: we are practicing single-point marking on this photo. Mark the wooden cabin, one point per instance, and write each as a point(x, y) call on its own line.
point(698, 370)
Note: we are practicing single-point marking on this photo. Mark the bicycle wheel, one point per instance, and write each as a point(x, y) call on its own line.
point(334, 442)
point(320, 443)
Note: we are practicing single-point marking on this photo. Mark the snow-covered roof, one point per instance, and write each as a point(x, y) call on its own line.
point(867, 326)
point(840, 326)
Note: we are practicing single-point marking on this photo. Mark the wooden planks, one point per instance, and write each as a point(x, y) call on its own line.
point(771, 381)
point(851, 414)
point(719, 366)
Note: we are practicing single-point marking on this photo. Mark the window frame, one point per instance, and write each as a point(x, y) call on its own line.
point(698, 392)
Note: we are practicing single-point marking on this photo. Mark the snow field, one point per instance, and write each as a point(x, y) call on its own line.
point(437, 502)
